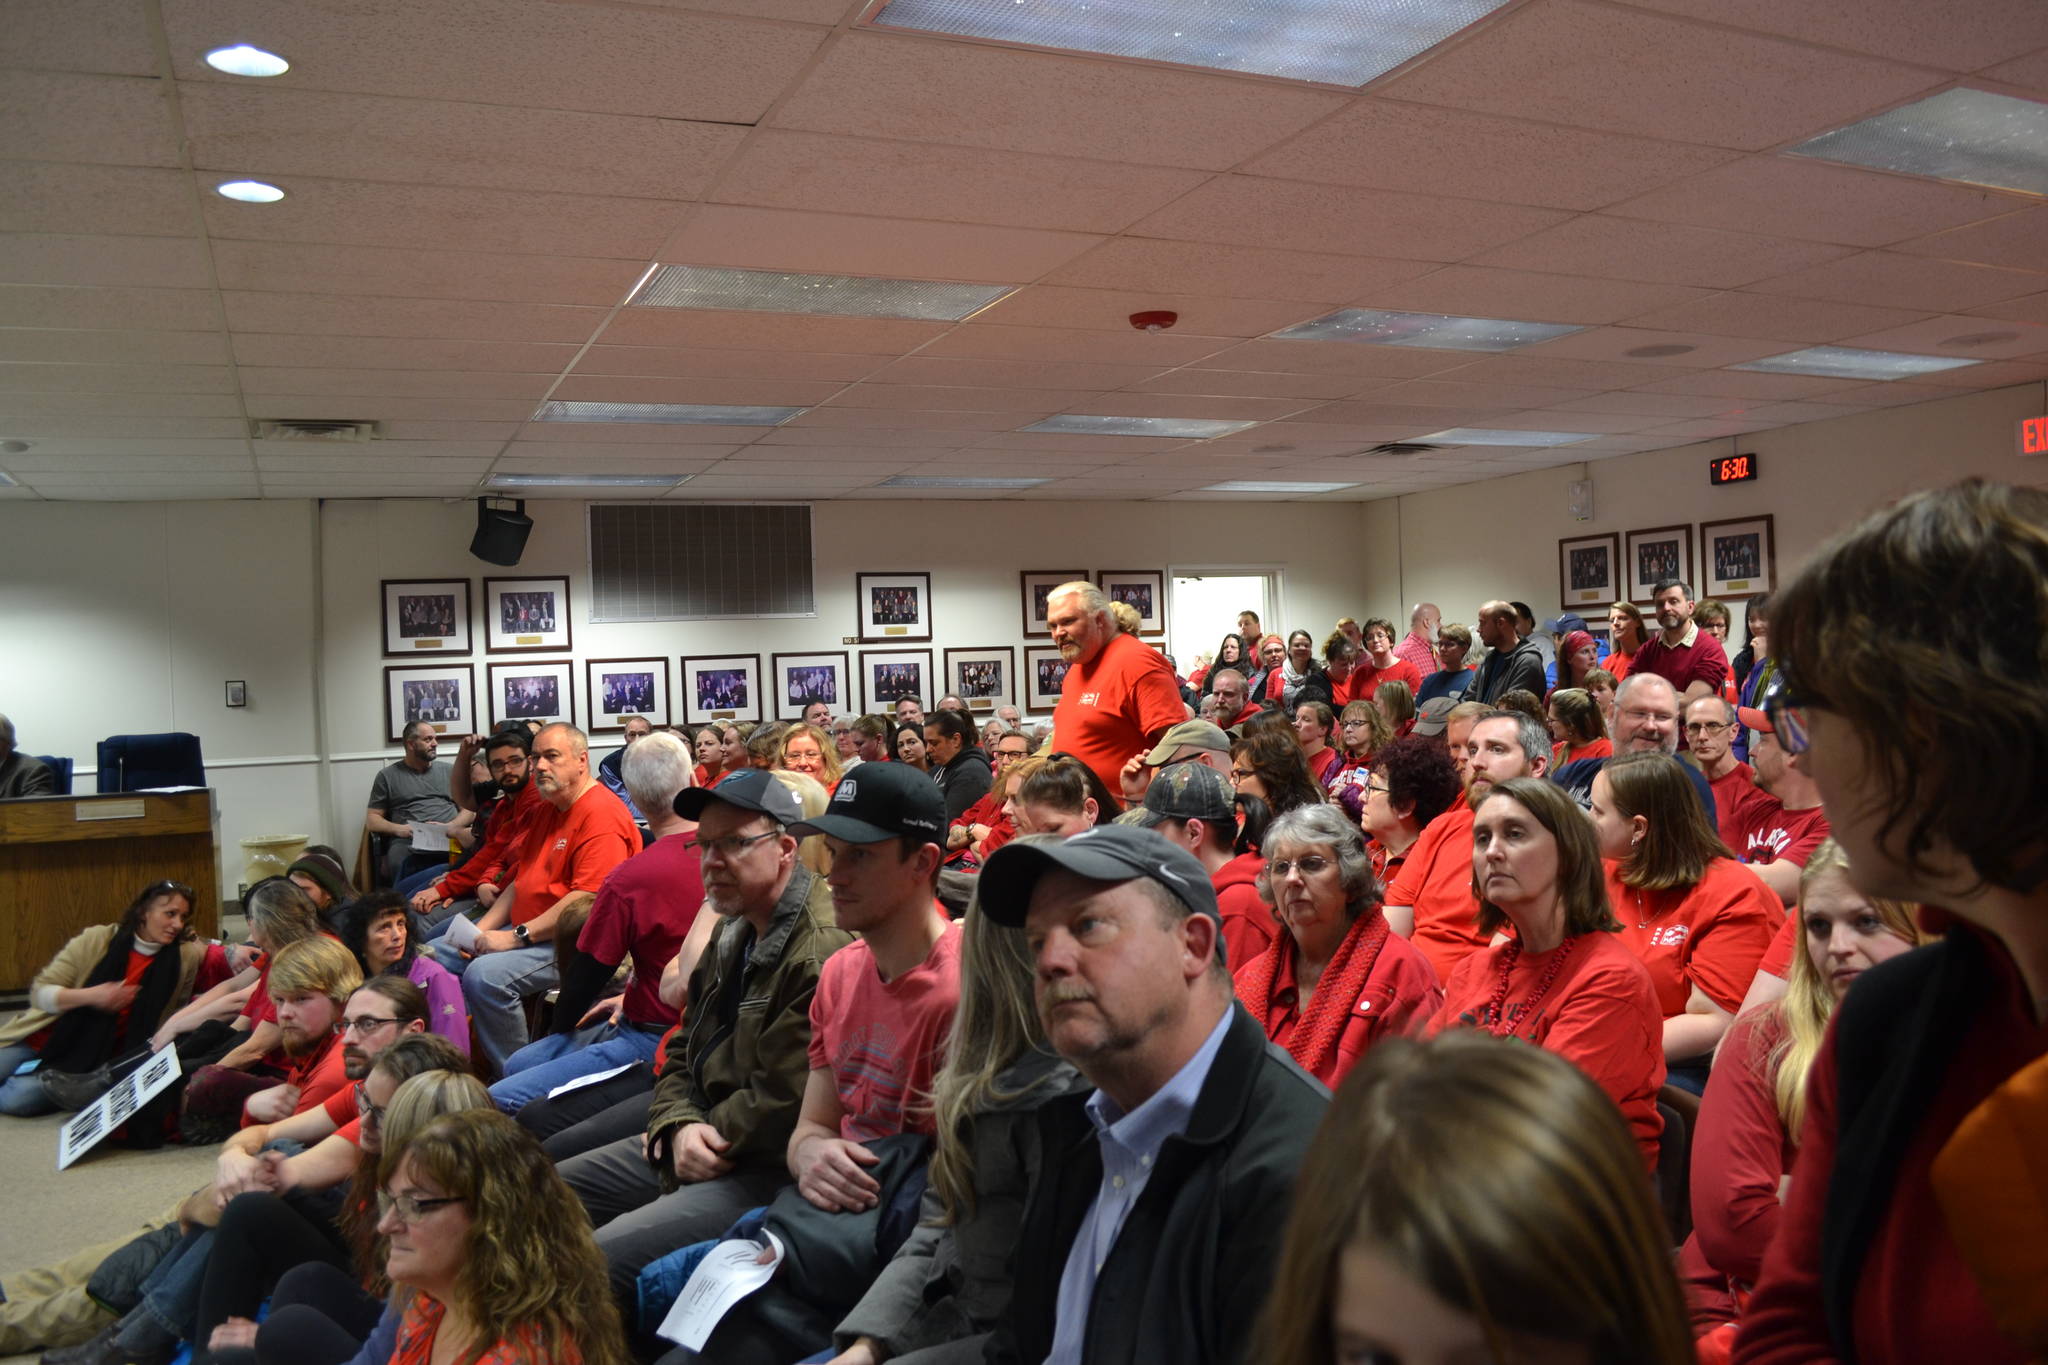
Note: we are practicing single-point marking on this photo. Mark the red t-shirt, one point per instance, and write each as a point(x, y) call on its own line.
point(1400, 996)
point(1619, 664)
point(1561, 754)
point(1248, 925)
point(501, 845)
point(1366, 679)
point(1732, 792)
point(1711, 934)
point(1740, 1151)
point(645, 909)
point(1324, 766)
point(572, 850)
point(318, 1075)
point(342, 1108)
point(1600, 1014)
point(1437, 881)
point(1683, 665)
point(884, 1041)
point(1115, 704)
point(1777, 959)
point(1769, 833)
point(258, 1008)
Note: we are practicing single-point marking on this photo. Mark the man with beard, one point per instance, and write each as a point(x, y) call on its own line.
point(1646, 721)
point(482, 877)
point(310, 982)
point(1119, 695)
point(414, 788)
point(1682, 654)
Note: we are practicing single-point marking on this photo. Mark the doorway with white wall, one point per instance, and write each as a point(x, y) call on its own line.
point(1205, 603)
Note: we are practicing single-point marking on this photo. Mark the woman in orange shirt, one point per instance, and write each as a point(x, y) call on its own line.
point(1625, 636)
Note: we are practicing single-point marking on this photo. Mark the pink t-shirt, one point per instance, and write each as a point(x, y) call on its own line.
point(883, 1041)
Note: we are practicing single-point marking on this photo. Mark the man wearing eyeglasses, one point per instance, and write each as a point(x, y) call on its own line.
point(1710, 734)
point(983, 828)
point(482, 876)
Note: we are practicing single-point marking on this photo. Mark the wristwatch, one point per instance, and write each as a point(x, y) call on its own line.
point(525, 939)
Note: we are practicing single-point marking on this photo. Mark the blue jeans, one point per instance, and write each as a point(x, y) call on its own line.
point(496, 986)
point(416, 882)
point(539, 1067)
point(22, 1097)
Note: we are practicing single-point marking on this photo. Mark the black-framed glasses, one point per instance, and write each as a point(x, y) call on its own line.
point(1786, 711)
point(1706, 727)
point(370, 1112)
point(365, 1023)
point(733, 845)
point(410, 1207)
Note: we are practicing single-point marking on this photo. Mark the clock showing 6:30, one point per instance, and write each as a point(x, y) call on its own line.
point(1731, 469)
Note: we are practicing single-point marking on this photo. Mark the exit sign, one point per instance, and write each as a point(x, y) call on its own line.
point(2034, 435)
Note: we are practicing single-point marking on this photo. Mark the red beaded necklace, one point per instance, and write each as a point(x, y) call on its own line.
point(1498, 1021)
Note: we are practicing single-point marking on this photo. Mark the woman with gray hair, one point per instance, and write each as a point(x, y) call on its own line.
point(1336, 981)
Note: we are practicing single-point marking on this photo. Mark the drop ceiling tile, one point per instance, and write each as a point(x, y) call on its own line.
point(630, 433)
point(453, 483)
point(1813, 200)
point(1253, 211)
point(704, 364)
point(1647, 405)
point(1259, 446)
point(2030, 71)
point(1524, 296)
point(1964, 39)
point(138, 309)
point(109, 36)
point(113, 348)
point(1234, 272)
point(1380, 144)
point(1901, 281)
point(113, 120)
point(115, 379)
point(981, 341)
point(386, 408)
point(1617, 343)
point(1973, 338)
point(400, 353)
point(116, 403)
point(895, 438)
point(1668, 253)
point(328, 384)
point(2028, 308)
point(133, 447)
point(592, 57)
point(41, 426)
point(125, 488)
point(1553, 419)
point(1883, 395)
point(344, 315)
point(1368, 411)
point(364, 213)
point(1335, 357)
point(2019, 240)
point(605, 388)
point(384, 462)
point(691, 461)
point(798, 471)
point(1253, 384)
point(1108, 449)
point(35, 462)
point(1201, 408)
point(113, 200)
point(86, 479)
point(935, 398)
point(1059, 306)
point(797, 170)
point(844, 244)
point(1595, 66)
point(628, 456)
point(890, 85)
point(708, 329)
point(1743, 384)
point(364, 272)
point(852, 450)
point(72, 259)
point(1558, 372)
point(888, 419)
point(350, 455)
point(948, 370)
point(276, 131)
point(1773, 317)
point(1706, 429)
point(407, 430)
point(1794, 412)
point(1450, 391)
point(1991, 374)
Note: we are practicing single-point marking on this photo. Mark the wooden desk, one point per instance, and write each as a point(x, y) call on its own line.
point(69, 862)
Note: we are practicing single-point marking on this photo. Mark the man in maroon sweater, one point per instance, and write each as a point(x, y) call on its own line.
point(1682, 654)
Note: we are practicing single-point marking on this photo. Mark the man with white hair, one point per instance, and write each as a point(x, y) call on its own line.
point(1418, 645)
point(1646, 721)
point(1119, 695)
point(22, 774)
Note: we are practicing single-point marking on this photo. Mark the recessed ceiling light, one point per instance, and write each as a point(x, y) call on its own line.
point(1188, 427)
point(1273, 486)
point(956, 481)
point(1494, 436)
point(665, 414)
point(849, 296)
point(244, 60)
point(1848, 362)
point(1304, 40)
point(1969, 135)
point(1432, 330)
point(585, 480)
point(249, 191)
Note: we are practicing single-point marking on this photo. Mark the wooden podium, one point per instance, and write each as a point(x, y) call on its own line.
point(69, 862)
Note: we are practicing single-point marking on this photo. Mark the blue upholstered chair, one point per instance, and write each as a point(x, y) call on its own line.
point(61, 769)
point(131, 762)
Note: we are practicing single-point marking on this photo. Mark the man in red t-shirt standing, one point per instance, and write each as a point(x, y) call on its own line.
point(1682, 654)
point(574, 847)
point(1782, 822)
point(1119, 695)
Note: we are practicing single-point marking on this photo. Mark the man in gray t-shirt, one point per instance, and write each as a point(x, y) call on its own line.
point(414, 788)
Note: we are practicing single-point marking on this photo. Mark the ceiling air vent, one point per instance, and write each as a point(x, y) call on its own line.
point(299, 429)
point(1400, 448)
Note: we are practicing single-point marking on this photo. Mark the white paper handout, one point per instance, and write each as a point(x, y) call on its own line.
point(114, 1108)
point(592, 1079)
point(727, 1274)
point(462, 934)
point(430, 836)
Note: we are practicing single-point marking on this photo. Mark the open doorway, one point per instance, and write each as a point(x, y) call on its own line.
point(1206, 603)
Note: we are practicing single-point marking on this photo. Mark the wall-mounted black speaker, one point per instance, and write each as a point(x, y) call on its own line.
point(501, 532)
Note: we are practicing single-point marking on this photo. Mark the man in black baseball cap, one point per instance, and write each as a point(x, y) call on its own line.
point(1132, 989)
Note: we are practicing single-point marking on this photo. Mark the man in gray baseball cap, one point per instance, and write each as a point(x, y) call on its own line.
point(1131, 986)
point(1191, 741)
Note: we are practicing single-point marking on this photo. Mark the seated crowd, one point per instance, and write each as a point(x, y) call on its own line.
point(1592, 1000)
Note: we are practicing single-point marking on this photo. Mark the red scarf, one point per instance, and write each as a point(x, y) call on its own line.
point(1314, 1041)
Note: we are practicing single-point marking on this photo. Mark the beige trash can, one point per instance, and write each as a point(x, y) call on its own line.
point(269, 855)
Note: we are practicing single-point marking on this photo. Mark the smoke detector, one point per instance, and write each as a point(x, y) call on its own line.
point(303, 429)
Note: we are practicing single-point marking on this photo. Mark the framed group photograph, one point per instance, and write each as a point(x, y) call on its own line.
point(626, 687)
point(983, 678)
point(1035, 586)
point(542, 690)
point(526, 615)
point(1589, 570)
point(801, 680)
point(1738, 558)
point(426, 617)
point(894, 606)
point(1655, 555)
point(887, 676)
point(1044, 672)
point(1142, 590)
point(722, 687)
point(443, 695)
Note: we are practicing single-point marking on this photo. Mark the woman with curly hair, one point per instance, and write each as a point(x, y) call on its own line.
point(1412, 782)
point(489, 1253)
point(384, 933)
point(809, 750)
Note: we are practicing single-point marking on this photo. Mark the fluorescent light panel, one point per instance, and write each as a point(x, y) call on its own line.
point(1081, 424)
point(1494, 436)
point(1303, 40)
point(665, 414)
point(849, 296)
point(7, 481)
point(956, 481)
point(1969, 135)
point(1273, 486)
point(1434, 331)
point(1849, 362)
point(585, 480)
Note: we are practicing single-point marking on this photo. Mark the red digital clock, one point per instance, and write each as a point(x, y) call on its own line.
point(1730, 469)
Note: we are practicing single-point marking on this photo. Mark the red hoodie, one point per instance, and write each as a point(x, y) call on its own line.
point(1248, 924)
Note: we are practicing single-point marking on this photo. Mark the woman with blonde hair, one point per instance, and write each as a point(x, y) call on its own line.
point(810, 794)
point(732, 748)
point(1395, 700)
point(490, 1255)
point(1469, 1200)
point(949, 1282)
point(808, 750)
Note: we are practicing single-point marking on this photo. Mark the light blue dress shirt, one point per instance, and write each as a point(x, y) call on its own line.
point(1130, 1147)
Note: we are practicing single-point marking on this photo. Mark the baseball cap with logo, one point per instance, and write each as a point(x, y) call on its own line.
point(1198, 734)
point(1186, 791)
point(753, 789)
point(1434, 715)
point(878, 801)
point(1107, 853)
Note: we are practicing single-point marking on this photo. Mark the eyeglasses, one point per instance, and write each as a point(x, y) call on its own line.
point(372, 1114)
point(733, 845)
point(1706, 727)
point(1308, 866)
point(1638, 715)
point(1787, 714)
point(411, 1208)
point(1380, 788)
point(1241, 774)
point(365, 1023)
point(505, 765)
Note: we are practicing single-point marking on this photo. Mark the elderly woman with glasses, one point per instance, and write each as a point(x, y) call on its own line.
point(1336, 980)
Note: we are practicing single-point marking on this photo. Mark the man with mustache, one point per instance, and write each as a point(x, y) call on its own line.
point(1690, 659)
point(1119, 695)
point(1156, 1218)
